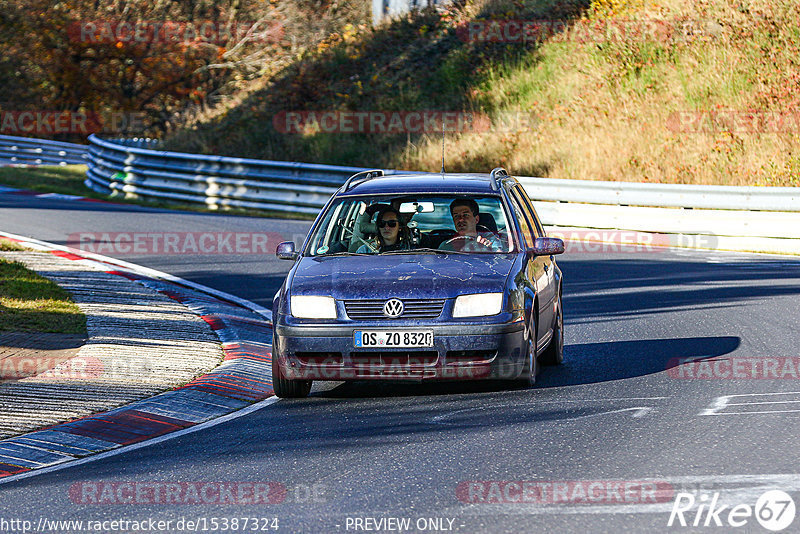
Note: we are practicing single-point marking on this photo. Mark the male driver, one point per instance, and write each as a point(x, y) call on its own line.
point(468, 239)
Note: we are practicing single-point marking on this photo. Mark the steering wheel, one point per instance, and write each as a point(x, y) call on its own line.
point(458, 242)
point(486, 230)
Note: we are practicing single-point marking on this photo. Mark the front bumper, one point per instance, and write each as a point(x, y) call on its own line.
point(460, 352)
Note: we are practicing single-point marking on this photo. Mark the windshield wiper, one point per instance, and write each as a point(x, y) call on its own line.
point(346, 253)
point(424, 250)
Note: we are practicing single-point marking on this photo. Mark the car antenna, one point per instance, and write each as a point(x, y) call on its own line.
point(442, 145)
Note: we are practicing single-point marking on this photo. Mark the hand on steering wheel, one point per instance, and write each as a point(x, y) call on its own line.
point(464, 239)
point(458, 242)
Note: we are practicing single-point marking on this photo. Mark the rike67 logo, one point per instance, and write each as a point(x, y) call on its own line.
point(774, 510)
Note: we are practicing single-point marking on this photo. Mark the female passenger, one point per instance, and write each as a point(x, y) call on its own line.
point(391, 232)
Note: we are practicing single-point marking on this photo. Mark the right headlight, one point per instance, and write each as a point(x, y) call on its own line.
point(478, 305)
point(313, 307)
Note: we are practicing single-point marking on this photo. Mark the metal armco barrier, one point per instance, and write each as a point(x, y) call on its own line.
point(133, 167)
point(128, 167)
point(664, 195)
point(31, 151)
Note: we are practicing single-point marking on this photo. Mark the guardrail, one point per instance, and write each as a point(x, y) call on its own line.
point(31, 151)
point(664, 195)
point(134, 168)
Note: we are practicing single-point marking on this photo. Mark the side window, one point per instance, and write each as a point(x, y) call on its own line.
point(523, 222)
point(530, 210)
point(349, 221)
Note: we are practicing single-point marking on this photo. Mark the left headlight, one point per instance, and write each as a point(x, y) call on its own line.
point(313, 307)
point(480, 304)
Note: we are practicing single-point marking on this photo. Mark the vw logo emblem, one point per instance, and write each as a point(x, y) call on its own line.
point(393, 308)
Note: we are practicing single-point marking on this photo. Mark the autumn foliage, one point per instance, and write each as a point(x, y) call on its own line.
point(154, 59)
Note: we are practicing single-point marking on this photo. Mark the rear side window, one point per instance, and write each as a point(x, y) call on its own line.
point(530, 210)
point(525, 226)
point(529, 218)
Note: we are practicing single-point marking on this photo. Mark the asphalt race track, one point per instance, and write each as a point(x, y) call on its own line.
point(603, 443)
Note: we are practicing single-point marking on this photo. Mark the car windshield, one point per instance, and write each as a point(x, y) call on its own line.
point(412, 224)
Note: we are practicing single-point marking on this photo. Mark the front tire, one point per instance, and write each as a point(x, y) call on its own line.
point(285, 388)
point(531, 368)
point(554, 353)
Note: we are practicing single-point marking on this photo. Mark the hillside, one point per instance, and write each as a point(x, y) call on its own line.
point(679, 91)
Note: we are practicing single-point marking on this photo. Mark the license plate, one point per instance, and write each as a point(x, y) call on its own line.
point(392, 338)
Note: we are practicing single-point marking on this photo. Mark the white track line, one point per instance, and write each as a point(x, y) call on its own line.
point(146, 271)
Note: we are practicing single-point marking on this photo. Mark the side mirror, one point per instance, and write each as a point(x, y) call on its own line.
point(546, 246)
point(286, 251)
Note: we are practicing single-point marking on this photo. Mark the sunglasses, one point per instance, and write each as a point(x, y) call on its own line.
point(390, 224)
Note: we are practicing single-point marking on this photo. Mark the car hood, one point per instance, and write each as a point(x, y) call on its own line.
point(402, 276)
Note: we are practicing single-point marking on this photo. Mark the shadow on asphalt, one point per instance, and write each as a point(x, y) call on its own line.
point(589, 363)
point(585, 363)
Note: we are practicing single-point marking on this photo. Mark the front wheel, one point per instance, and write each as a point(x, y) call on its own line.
point(285, 388)
point(554, 353)
point(531, 367)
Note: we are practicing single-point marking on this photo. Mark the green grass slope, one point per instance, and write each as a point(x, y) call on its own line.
point(675, 91)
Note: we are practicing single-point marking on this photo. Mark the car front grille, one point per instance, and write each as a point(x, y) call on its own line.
point(379, 360)
point(412, 309)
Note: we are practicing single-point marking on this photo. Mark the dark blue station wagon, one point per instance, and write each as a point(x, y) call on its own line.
point(419, 277)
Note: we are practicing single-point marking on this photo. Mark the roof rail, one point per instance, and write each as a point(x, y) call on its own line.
point(497, 172)
point(367, 175)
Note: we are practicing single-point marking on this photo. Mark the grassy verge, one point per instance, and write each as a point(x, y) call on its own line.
point(68, 180)
point(31, 303)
